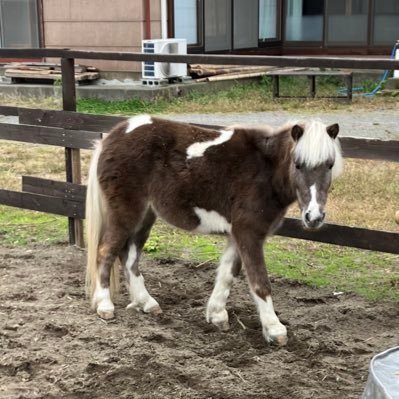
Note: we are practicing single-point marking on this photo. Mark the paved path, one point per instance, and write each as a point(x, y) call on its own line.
point(382, 124)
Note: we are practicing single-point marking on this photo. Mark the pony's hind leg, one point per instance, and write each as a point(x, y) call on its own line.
point(140, 298)
point(230, 266)
point(113, 240)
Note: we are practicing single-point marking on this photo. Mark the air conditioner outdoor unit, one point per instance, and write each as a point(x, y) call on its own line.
point(163, 70)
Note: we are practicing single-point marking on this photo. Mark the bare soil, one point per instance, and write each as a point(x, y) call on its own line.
point(53, 346)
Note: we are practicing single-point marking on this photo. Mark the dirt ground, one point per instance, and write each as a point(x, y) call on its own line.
point(53, 346)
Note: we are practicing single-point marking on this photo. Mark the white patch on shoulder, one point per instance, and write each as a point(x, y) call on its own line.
point(198, 149)
point(137, 121)
point(211, 222)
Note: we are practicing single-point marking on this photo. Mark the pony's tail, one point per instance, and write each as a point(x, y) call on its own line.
point(95, 222)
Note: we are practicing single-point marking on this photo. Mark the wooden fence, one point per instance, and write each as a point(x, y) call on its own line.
point(75, 131)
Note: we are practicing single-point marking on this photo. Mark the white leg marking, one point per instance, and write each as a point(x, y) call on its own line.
point(137, 121)
point(139, 296)
point(102, 301)
point(211, 222)
point(198, 149)
point(313, 208)
point(273, 330)
point(216, 312)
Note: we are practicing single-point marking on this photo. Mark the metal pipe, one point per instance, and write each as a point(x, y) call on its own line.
point(164, 19)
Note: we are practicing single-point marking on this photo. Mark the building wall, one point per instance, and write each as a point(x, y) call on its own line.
point(99, 25)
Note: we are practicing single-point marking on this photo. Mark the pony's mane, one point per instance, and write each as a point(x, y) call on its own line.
point(316, 146)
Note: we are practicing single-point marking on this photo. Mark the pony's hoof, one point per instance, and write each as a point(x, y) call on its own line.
point(155, 310)
point(219, 319)
point(223, 325)
point(280, 340)
point(106, 314)
point(278, 337)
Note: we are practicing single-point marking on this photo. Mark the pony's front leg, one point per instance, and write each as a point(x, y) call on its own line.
point(250, 247)
point(230, 266)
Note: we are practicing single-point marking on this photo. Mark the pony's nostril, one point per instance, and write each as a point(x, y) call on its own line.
point(323, 215)
point(307, 216)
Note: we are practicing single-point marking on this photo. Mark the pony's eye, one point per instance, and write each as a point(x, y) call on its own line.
point(330, 166)
point(298, 166)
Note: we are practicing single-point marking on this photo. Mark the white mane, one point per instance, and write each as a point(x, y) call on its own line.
point(316, 146)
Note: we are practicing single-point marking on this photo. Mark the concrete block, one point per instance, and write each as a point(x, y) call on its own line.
point(392, 84)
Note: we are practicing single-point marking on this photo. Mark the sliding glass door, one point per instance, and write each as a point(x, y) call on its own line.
point(19, 26)
point(304, 20)
point(347, 21)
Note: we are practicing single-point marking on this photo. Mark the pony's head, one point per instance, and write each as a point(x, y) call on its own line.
point(317, 160)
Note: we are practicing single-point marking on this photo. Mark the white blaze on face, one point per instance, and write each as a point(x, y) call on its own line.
point(313, 209)
point(137, 121)
point(211, 222)
point(197, 149)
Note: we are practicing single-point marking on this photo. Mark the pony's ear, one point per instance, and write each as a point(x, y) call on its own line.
point(297, 132)
point(333, 130)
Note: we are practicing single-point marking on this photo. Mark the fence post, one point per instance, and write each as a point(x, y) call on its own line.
point(72, 156)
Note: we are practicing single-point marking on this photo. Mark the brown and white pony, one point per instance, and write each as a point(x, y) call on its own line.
point(238, 181)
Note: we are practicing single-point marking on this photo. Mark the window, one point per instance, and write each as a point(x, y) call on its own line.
point(386, 22)
point(268, 13)
point(347, 21)
point(304, 20)
point(19, 24)
point(186, 20)
point(218, 25)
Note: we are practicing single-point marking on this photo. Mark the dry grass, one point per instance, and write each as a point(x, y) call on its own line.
point(254, 97)
point(18, 159)
point(366, 195)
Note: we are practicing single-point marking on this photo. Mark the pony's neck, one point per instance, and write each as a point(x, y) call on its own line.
point(283, 178)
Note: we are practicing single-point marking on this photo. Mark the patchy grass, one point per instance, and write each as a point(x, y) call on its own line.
point(251, 97)
point(372, 275)
point(19, 227)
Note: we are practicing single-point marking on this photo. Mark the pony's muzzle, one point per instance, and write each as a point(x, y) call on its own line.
point(313, 222)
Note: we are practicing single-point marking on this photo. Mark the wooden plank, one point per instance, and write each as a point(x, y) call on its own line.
point(54, 188)
point(309, 73)
point(215, 59)
point(48, 135)
point(68, 120)
point(355, 237)
point(43, 203)
point(48, 75)
point(9, 111)
point(363, 148)
point(72, 156)
point(383, 150)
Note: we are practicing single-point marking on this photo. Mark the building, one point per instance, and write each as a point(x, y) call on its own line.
point(333, 27)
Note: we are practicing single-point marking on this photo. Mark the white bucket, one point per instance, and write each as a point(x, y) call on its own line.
point(383, 381)
point(396, 72)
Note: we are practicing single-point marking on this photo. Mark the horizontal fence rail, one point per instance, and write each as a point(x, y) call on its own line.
point(94, 125)
point(261, 60)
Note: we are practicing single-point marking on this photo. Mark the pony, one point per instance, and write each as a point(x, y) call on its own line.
point(238, 181)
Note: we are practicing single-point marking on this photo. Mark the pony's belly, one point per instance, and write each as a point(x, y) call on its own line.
point(196, 220)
